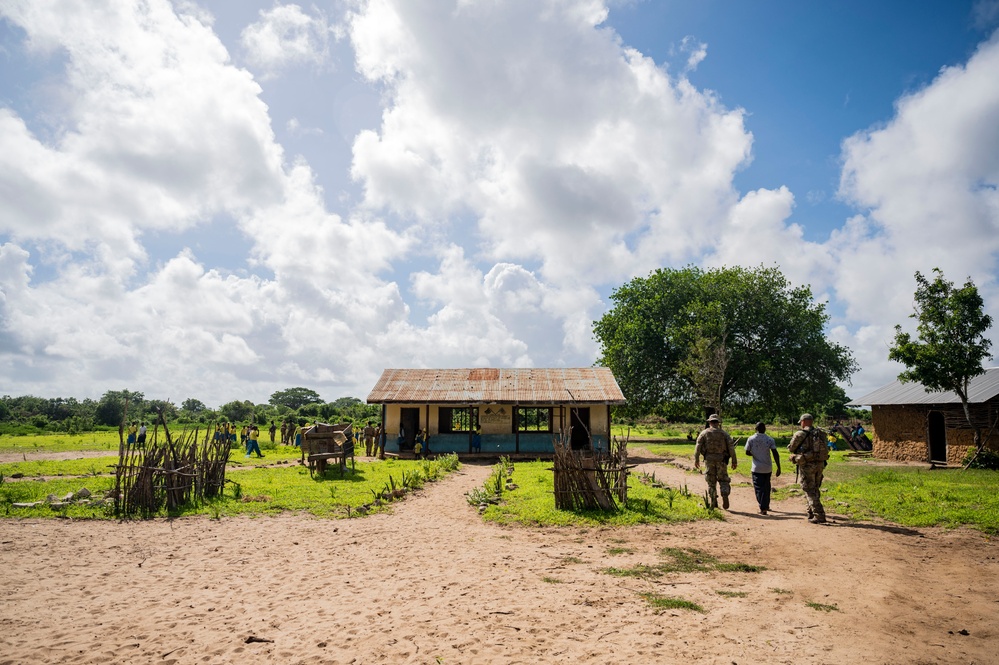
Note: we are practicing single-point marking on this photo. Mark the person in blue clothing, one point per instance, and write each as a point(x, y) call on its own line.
point(252, 442)
point(477, 440)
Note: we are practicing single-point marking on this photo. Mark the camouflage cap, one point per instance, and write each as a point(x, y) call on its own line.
point(713, 418)
point(805, 416)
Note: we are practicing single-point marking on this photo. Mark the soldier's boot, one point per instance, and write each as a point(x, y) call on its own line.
point(725, 501)
point(714, 499)
point(819, 518)
point(810, 513)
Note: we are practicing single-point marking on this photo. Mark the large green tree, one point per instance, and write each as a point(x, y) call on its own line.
point(951, 344)
point(719, 337)
point(236, 411)
point(111, 409)
point(295, 398)
point(192, 405)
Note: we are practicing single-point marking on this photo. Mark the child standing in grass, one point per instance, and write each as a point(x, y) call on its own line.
point(418, 445)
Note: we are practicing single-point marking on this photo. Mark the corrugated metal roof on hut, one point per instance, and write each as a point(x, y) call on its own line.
point(479, 385)
point(982, 388)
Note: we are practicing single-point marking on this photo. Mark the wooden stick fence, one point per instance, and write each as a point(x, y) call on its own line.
point(174, 473)
point(585, 480)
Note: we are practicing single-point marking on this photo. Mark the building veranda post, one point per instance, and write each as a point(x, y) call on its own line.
point(518, 410)
point(913, 425)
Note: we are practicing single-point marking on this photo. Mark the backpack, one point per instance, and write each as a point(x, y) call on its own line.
point(820, 448)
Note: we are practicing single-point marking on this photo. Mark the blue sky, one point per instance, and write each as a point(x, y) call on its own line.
point(808, 74)
point(220, 199)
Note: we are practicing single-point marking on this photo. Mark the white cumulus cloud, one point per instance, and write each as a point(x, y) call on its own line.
point(285, 36)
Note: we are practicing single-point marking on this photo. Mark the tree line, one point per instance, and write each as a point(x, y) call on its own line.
point(28, 414)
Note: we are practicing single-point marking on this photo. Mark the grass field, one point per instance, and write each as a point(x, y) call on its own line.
point(915, 496)
point(59, 443)
point(678, 432)
point(905, 495)
point(252, 489)
point(533, 503)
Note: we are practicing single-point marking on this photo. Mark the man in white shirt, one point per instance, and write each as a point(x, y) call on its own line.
point(760, 447)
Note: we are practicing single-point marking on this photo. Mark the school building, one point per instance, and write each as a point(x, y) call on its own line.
point(518, 411)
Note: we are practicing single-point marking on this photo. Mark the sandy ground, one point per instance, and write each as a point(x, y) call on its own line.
point(432, 583)
point(26, 456)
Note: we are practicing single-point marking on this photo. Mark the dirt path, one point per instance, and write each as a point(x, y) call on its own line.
point(432, 583)
point(25, 456)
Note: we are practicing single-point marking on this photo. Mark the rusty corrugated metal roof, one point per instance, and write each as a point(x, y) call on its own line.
point(982, 388)
point(478, 385)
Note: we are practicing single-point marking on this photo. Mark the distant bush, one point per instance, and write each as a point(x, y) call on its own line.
point(18, 429)
point(986, 459)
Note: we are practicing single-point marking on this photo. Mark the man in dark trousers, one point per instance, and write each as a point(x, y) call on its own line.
point(760, 447)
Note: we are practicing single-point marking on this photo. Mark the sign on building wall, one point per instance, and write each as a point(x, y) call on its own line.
point(496, 415)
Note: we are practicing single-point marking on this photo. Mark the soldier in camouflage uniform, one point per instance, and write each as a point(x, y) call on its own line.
point(810, 451)
point(718, 448)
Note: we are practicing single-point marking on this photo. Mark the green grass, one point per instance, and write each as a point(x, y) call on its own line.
point(551, 580)
point(781, 592)
point(739, 568)
point(27, 491)
point(614, 551)
point(279, 454)
point(677, 433)
point(97, 440)
point(88, 466)
point(822, 608)
point(533, 504)
point(641, 570)
point(915, 497)
point(58, 443)
point(732, 594)
point(663, 603)
point(275, 490)
point(682, 560)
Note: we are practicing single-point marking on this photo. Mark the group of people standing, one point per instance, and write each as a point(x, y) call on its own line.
point(137, 433)
point(249, 436)
point(373, 444)
point(809, 452)
point(291, 435)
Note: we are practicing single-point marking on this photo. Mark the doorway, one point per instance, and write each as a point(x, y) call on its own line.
point(579, 420)
point(409, 422)
point(936, 432)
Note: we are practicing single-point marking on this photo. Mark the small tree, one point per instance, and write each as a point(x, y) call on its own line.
point(951, 344)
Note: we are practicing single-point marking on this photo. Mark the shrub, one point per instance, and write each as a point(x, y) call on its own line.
point(986, 459)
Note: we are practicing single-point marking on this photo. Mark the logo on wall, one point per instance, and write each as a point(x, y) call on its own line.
point(494, 415)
